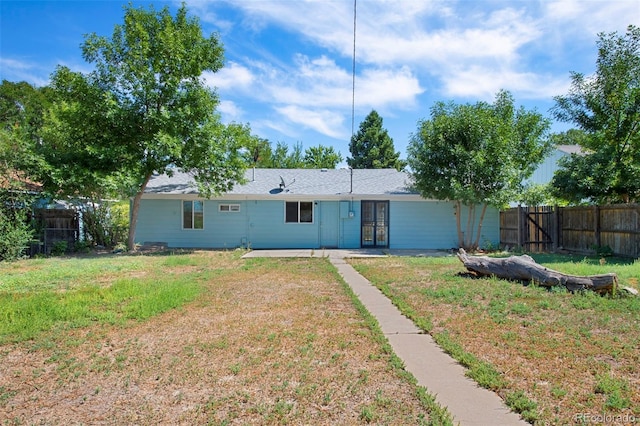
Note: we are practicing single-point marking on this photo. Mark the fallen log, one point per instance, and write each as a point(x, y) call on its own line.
point(524, 268)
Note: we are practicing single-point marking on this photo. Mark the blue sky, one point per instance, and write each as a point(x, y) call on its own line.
point(288, 69)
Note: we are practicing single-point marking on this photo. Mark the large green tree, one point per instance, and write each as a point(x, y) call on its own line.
point(372, 147)
point(321, 157)
point(476, 154)
point(21, 114)
point(260, 154)
point(144, 109)
point(281, 158)
point(21, 107)
point(606, 106)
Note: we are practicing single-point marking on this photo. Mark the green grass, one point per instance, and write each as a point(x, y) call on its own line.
point(482, 372)
point(617, 391)
point(25, 316)
point(438, 415)
point(269, 341)
point(548, 353)
point(54, 294)
point(64, 273)
point(520, 403)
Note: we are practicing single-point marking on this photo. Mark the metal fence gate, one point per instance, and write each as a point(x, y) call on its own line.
point(58, 225)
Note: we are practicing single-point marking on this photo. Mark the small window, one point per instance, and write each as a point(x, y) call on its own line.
point(299, 212)
point(229, 208)
point(193, 214)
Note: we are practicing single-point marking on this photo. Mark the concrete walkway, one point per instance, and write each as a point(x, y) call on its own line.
point(440, 374)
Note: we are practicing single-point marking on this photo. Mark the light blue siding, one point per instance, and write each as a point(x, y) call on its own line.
point(267, 227)
point(429, 225)
point(328, 214)
point(260, 224)
point(350, 225)
point(161, 221)
point(432, 225)
point(545, 171)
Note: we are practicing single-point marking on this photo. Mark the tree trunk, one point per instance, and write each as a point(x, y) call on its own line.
point(524, 268)
point(468, 235)
point(458, 213)
point(476, 244)
point(135, 207)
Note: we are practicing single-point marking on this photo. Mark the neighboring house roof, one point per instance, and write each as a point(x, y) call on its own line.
point(570, 149)
point(14, 177)
point(303, 182)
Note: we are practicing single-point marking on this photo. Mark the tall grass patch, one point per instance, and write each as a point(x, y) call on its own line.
point(24, 316)
point(68, 273)
point(72, 293)
point(548, 353)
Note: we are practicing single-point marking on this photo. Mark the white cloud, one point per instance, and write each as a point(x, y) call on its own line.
point(233, 75)
point(378, 88)
point(18, 70)
point(14, 64)
point(202, 10)
point(312, 82)
point(483, 83)
point(458, 49)
point(230, 111)
point(321, 83)
point(496, 35)
point(588, 18)
point(325, 122)
point(394, 42)
point(278, 126)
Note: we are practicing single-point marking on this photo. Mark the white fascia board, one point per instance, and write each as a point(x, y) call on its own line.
point(291, 196)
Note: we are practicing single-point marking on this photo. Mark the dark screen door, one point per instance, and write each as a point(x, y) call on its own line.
point(375, 224)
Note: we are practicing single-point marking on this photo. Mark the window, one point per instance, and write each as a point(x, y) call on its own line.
point(299, 212)
point(193, 214)
point(229, 208)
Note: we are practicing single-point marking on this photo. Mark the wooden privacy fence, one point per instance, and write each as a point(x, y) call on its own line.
point(584, 229)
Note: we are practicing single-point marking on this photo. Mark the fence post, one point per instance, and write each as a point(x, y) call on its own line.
point(520, 228)
point(596, 225)
point(555, 229)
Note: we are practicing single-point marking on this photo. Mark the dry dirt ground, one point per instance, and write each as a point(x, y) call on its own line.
point(262, 345)
point(553, 347)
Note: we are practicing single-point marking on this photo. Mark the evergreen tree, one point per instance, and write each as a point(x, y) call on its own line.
point(372, 147)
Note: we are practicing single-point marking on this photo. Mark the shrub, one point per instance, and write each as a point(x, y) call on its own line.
point(82, 246)
point(602, 251)
point(106, 223)
point(59, 248)
point(15, 236)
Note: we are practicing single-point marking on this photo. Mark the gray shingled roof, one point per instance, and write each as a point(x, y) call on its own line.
point(297, 182)
point(570, 149)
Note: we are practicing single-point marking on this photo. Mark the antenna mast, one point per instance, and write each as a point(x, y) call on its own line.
point(353, 73)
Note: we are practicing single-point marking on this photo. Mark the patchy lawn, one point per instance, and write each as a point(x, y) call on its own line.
point(555, 357)
point(195, 338)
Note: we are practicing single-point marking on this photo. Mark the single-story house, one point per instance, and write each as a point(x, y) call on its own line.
point(302, 208)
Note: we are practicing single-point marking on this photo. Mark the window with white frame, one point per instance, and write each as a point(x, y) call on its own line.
point(193, 214)
point(298, 212)
point(229, 208)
